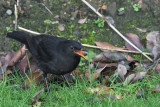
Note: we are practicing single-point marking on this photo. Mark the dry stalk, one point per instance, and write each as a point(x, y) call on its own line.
point(116, 30)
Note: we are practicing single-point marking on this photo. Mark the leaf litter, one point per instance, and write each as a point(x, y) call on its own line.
point(102, 68)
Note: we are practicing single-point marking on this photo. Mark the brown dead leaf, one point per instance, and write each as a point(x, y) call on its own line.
point(153, 43)
point(74, 14)
point(139, 76)
point(56, 17)
point(9, 56)
point(94, 75)
point(61, 27)
point(104, 7)
point(33, 65)
point(76, 72)
point(17, 56)
point(33, 78)
point(82, 21)
point(129, 58)
point(109, 57)
point(101, 64)
point(107, 45)
point(98, 9)
point(119, 96)
point(37, 104)
point(154, 90)
point(23, 64)
point(129, 79)
point(135, 40)
point(36, 97)
point(100, 89)
point(122, 70)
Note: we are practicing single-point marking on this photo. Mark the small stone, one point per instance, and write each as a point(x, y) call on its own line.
point(9, 12)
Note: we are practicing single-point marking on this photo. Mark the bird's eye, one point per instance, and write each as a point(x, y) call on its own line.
point(72, 47)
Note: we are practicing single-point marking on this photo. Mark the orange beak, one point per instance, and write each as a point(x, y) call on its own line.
point(79, 52)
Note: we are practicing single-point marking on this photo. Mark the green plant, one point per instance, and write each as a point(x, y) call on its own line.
point(49, 22)
point(99, 22)
point(136, 7)
point(8, 29)
point(121, 9)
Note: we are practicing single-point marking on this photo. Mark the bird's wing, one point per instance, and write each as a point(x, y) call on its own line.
point(46, 48)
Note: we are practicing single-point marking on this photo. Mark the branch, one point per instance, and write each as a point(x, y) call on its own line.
point(117, 30)
point(119, 50)
point(90, 46)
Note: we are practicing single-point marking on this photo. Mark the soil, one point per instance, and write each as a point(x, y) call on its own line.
point(33, 15)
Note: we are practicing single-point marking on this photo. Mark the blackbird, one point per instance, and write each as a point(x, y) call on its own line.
point(53, 55)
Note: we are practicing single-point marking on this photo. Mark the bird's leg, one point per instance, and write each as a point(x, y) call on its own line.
point(66, 80)
point(46, 82)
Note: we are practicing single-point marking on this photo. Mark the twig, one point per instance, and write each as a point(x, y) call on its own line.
point(116, 30)
point(26, 30)
point(17, 2)
point(86, 45)
point(16, 16)
point(120, 50)
point(47, 8)
point(2, 53)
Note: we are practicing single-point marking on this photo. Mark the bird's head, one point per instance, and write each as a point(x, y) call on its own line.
point(75, 48)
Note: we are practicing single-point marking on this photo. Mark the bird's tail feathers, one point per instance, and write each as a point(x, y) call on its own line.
point(18, 35)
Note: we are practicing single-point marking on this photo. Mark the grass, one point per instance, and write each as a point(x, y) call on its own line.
point(77, 95)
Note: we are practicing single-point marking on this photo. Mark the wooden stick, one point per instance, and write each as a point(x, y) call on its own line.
point(26, 30)
point(47, 8)
point(16, 16)
point(116, 30)
point(120, 50)
point(86, 45)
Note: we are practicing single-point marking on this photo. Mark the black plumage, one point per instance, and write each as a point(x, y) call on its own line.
point(52, 54)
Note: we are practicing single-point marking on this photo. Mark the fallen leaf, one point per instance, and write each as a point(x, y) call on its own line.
point(100, 90)
point(33, 78)
point(94, 75)
point(129, 58)
point(61, 27)
point(101, 64)
point(119, 96)
point(82, 21)
point(9, 56)
point(37, 104)
point(98, 9)
point(23, 64)
point(36, 97)
point(76, 72)
point(17, 56)
point(56, 17)
point(153, 43)
point(129, 79)
point(109, 57)
point(122, 70)
point(74, 14)
point(135, 40)
point(107, 45)
point(154, 90)
point(104, 7)
point(139, 76)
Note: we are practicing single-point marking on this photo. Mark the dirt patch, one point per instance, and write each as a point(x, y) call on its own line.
point(34, 15)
